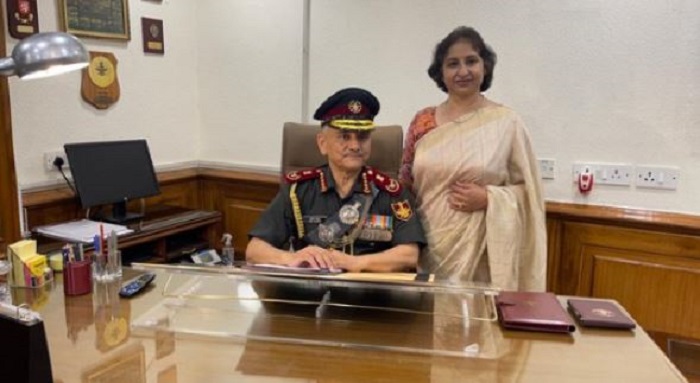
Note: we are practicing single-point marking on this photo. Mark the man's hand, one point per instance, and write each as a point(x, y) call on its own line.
point(467, 197)
point(314, 257)
point(353, 264)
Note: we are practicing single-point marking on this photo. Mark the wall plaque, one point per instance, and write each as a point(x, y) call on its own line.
point(100, 85)
point(152, 31)
point(22, 18)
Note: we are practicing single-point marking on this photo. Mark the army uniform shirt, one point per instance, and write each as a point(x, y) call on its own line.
point(391, 219)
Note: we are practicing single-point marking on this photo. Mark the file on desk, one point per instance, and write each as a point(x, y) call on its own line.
point(83, 230)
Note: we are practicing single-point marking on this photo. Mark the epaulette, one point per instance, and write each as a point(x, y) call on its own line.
point(383, 181)
point(305, 175)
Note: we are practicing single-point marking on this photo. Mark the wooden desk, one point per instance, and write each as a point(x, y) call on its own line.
point(91, 340)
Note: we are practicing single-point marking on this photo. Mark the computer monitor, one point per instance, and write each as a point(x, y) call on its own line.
point(112, 172)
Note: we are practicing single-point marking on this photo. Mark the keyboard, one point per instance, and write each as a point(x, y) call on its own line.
point(174, 220)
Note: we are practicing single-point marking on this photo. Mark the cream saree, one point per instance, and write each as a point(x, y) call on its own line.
point(505, 244)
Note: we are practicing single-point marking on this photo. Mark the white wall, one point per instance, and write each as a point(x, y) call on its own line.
point(598, 81)
point(158, 96)
point(250, 72)
point(595, 81)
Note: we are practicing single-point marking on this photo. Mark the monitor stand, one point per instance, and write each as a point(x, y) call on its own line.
point(120, 215)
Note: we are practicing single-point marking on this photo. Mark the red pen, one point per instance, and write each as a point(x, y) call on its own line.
point(102, 238)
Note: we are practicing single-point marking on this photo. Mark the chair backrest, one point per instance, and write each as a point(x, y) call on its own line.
point(299, 149)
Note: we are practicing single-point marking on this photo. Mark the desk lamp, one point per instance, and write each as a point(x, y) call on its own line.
point(45, 54)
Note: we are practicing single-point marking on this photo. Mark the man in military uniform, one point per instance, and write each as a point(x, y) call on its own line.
point(343, 215)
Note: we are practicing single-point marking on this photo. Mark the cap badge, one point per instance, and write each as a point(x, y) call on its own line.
point(355, 106)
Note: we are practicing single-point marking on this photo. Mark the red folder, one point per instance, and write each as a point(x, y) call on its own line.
point(596, 313)
point(531, 311)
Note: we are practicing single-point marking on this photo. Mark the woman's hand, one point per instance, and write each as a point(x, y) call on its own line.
point(313, 257)
point(467, 197)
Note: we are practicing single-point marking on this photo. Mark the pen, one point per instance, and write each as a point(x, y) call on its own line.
point(64, 252)
point(96, 244)
point(102, 238)
point(113, 241)
point(75, 252)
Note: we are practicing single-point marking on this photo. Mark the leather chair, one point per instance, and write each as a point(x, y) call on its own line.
point(299, 149)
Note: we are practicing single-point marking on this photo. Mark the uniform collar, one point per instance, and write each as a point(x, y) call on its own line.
point(361, 185)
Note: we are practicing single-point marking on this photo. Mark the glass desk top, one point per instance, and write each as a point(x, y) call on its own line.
point(376, 311)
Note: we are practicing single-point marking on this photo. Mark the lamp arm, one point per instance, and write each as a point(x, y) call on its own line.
point(7, 67)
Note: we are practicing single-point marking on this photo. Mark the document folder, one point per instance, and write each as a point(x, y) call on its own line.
point(24, 355)
point(597, 313)
point(270, 268)
point(531, 311)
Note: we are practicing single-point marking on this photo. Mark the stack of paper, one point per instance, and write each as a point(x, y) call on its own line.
point(81, 231)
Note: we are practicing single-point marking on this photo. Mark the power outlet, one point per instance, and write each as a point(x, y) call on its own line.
point(658, 177)
point(606, 174)
point(49, 158)
point(548, 167)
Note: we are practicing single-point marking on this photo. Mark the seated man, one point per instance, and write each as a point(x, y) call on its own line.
point(343, 215)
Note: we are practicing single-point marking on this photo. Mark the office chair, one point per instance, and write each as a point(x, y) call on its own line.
point(299, 149)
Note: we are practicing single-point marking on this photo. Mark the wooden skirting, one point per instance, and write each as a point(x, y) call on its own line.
point(649, 261)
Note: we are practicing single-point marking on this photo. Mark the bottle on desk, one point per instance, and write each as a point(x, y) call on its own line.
point(227, 252)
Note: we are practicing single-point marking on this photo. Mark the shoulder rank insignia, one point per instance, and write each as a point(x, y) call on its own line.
point(302, 175)
point(384, 182)
point(305, 175)
point(402, 210)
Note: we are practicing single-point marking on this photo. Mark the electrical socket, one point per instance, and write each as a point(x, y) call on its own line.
point(49, 157)
point(658, 177)
point(548, 167)
point(606, 174)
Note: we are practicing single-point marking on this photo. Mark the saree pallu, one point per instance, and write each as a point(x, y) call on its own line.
point(504, 244)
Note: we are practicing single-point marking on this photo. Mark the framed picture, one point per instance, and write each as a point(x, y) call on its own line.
point(106, 19)
point(152, 30)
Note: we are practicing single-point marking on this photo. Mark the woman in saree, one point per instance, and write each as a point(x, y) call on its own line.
point(471, 165)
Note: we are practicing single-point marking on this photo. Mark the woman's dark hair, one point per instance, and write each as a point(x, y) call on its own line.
point(474, 38)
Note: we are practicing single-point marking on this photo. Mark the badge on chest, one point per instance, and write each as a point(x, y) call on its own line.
point(377, 228)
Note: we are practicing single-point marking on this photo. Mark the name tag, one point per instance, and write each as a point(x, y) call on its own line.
point(375, 235)
point(316, 219)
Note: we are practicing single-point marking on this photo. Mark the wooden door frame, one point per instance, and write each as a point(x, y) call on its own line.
point(9, 198)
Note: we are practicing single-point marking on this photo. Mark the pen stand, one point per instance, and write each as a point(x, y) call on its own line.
point(77, 278)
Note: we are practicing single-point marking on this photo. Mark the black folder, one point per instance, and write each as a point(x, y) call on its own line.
point(24, 355)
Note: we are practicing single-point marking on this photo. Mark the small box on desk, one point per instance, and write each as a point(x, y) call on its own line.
point(29, 269)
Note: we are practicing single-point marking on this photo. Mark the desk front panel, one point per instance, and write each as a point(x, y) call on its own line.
point(93, 338)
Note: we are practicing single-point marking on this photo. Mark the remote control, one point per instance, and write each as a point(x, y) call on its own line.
point(136, 285)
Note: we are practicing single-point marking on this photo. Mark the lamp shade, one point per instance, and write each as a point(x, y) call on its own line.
point(45, 54)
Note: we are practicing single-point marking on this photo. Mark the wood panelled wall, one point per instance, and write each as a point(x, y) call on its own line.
point(648, 261)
